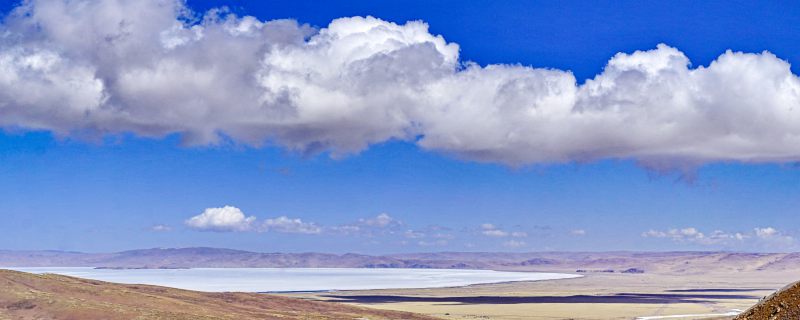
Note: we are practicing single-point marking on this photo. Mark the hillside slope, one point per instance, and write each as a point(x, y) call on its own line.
point(781, 305)
point(29, 296)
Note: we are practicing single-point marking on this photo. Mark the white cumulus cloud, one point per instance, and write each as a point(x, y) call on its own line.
point(767, 232)
point(154, 68)
point(227, 218)
point(772, 235)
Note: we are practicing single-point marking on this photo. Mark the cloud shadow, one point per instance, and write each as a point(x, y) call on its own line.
point(633, 298)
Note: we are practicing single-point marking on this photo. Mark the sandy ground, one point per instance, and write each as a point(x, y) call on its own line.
point(596, 296)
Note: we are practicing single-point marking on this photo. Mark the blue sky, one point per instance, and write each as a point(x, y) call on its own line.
point(76, 189)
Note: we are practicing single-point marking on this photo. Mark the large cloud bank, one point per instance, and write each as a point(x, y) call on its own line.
point(154, 68)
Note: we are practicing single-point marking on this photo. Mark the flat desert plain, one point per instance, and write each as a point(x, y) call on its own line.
point(673, 283)
point(595, 296)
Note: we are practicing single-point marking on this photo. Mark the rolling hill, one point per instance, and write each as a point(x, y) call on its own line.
point(29, 296)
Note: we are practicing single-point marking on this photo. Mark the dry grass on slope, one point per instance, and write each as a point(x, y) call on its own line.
point(29, 296)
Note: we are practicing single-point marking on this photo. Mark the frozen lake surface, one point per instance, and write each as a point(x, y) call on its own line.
point(298, 279)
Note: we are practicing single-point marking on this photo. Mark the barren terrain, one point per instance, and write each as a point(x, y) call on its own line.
point(28, 296)
point(596, 296)
point(616, 285)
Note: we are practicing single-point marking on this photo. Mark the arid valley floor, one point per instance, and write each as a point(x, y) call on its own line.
point(596, 296)
point(615, 285)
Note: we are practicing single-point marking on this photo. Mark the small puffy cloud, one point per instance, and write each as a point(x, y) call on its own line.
point(160, 228)
point(773, 236)
point(225, 219)
point(380, 221)
point(285, 224)
point(654, 234)
point(491, 230)
point(577, 232)
point(766, 233)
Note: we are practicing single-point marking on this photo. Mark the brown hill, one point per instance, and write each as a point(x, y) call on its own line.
point(781, 305)
point(28, 296)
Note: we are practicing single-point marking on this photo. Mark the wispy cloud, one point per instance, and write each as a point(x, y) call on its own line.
point(514, 244)
point(490, 230)
point(381, 224)
point(160, 228)
point(577, 232)
point(431, 235)
point(433, 243)
point(345, 229)
point(411, 234)
point(285, 224)
point(691, 235)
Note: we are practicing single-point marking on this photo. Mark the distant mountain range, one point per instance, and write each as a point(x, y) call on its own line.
point(635, 262)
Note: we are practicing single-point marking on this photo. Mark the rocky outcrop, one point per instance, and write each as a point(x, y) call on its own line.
point(781, 305)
